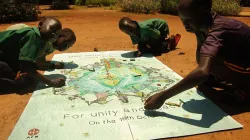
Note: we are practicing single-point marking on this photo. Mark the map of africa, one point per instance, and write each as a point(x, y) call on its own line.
point(111, 77)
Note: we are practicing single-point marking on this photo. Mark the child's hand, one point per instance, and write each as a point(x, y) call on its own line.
point(154, 102)
point(138, 54)
point(59, 82)
point(59, 65)
point(147, 46)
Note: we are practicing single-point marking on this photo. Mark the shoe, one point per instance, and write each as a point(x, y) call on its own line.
point(173, 41)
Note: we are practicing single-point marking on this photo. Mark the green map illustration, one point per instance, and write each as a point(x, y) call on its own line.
point(111, 77)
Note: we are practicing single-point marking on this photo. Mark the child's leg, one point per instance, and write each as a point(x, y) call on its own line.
point(8, 84)
point(142, 48)
point(240, 82)
point(238, 79)
point(7, 76)
point(5, 71)
point(157, 46)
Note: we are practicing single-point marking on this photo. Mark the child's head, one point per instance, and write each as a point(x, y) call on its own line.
point(49, 28)
point(128, 26)
point(195, 14)
point(65, 40)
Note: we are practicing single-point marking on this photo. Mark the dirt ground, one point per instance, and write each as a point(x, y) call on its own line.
point(98, 28)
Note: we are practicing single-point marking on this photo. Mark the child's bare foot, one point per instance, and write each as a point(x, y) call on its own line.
point(20, 75)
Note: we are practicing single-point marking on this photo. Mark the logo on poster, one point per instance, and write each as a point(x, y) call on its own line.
point(33, 133)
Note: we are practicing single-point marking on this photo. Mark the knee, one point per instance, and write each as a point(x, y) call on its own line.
point(26, 85)
point(4, 65)
point(6, 71)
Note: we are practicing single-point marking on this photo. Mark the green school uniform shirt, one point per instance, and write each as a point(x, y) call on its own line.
point(22, 44)
point(150, 31)
point(47, 49)
point(17, 26)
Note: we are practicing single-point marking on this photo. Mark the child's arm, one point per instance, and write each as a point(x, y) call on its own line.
point(42, 64)
point(196, 77)
point(200, 38)
point(59, 82)
point(27, 57)
point(30, 69)
point(141, 49)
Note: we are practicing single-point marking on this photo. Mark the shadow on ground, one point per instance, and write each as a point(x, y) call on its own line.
point(209, 117)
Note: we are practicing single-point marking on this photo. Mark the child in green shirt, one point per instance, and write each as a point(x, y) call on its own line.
point(64, 41)
point(19, 49)
point(150, 35)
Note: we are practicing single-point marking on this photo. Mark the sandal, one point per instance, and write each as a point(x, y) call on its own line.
point(173, 41)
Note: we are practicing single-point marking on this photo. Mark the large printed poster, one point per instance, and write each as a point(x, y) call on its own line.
point(103, 99)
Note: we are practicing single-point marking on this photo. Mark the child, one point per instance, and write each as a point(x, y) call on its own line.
point(224, 52)
point(19, 50)
point(149, 35)
point(64, 41)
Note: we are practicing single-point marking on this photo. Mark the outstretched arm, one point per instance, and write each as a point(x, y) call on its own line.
point(42, 64)
point(196, 77)
point(30, 69)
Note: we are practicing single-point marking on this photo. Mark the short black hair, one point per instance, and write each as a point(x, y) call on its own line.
point(124, 21)
point(68, 34)
point(46, 20)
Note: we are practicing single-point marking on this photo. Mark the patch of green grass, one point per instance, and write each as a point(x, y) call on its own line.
point(112, 7)
point(100, 2)
point(16, 12)
point(169, 6)
point(79, 2)
point(140, 6)
point(59, 5)
point(227, 7)
point(222, 7)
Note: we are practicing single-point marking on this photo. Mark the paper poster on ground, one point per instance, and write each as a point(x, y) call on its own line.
point(103, 99)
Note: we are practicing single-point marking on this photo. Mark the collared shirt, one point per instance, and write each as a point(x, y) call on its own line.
point(228, 40)
point(17, 26)
point(23, 44)
point(150, 31)
point(47, 47)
